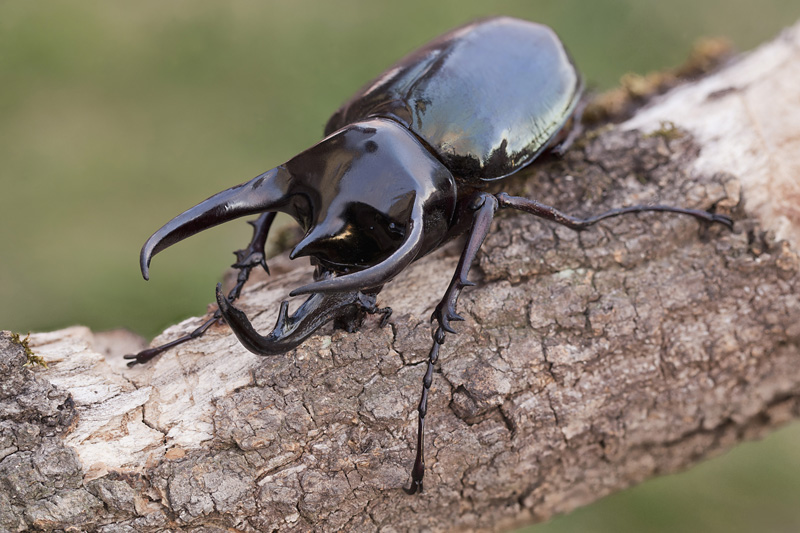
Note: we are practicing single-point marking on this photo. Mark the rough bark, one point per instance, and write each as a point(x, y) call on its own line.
point(588, 361)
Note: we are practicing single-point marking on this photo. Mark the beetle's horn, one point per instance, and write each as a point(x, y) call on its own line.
point(383, 272)
point(266, 192)
point(289, 331)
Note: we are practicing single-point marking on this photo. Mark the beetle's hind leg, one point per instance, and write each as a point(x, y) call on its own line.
point(484, 205)
point(572, 130)
point(246, 259)
point(550, 213)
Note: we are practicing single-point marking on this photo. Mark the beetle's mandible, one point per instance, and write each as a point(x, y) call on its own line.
point(403, 169)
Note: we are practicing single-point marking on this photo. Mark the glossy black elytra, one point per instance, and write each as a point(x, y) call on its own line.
point(402, 169)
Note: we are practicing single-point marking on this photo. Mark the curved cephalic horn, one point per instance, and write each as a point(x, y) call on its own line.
point(289, 331)
point(383, 272)
point(266, 192)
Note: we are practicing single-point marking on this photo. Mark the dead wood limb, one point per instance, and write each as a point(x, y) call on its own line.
point(588, 362)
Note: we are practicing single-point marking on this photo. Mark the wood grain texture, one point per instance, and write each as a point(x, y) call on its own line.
point(588, 361)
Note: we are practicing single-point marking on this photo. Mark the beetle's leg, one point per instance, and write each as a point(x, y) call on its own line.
point(418, 471)
point(550, 213)
point(367, 302)
point(145, 355)
point(351, 319)
point(247, 258)
point(573, 129)
point(253, 255)
point(484, 205)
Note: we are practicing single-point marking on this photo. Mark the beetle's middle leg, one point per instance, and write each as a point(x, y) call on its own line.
point(484, 205)
point(367, 302)
point(351, 320)
point(246, 259)
point(550, 213)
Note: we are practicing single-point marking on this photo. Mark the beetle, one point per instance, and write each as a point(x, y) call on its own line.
point(403, 168)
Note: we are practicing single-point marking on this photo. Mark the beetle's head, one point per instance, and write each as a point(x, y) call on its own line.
point(371, 199)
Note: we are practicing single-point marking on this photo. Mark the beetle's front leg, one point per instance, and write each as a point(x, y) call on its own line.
point(253, 255)
point(484, 206)
point(246, 259)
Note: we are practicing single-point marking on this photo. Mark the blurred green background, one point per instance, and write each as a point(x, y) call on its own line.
point(115, 116)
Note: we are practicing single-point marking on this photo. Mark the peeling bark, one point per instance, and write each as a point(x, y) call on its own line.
point(588, 361)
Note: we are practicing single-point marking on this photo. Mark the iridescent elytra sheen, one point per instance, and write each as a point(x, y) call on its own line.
point(487, 98)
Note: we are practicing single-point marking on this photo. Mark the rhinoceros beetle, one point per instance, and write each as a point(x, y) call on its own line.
point(403, 168)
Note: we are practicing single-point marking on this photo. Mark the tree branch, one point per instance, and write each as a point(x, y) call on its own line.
point(588, 361)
